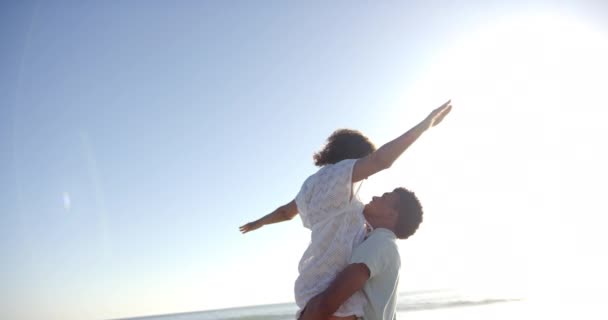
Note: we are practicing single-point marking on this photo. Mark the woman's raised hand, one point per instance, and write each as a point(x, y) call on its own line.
point(435, 117)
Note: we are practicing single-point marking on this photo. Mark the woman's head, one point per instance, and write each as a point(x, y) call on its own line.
point(343, 144)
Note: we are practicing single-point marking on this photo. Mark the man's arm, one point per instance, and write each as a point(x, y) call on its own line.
point(384, 157)
point(280, 214)
point(351, 279)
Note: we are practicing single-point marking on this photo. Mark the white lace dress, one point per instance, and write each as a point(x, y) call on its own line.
point(336, 220)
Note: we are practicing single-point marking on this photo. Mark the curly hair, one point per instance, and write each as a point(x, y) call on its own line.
point(410, 213)
point(343, 144)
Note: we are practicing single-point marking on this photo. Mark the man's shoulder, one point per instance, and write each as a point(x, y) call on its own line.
point(379, 240)
point(378, 252)
point(382, 235)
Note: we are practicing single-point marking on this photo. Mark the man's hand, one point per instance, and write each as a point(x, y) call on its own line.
point(312, 310)
point(435, 117)
point(250, 226)
point(349, 281)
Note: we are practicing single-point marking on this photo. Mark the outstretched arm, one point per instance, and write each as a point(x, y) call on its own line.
point(349, 281)
point(280, 214)
point(384, 157)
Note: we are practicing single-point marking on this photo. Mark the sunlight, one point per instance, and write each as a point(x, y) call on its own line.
point(523, 129)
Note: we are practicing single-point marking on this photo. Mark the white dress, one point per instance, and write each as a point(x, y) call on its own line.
point(334, 214)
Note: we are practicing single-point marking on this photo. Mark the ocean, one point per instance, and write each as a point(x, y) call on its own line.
point(418, 305)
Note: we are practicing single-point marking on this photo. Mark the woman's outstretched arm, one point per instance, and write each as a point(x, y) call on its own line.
point(280, 214)
point(384, 157)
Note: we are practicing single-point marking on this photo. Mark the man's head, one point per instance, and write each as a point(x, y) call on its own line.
point(399, 211)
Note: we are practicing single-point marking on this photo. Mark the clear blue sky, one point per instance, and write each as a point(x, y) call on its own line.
point(136, 136)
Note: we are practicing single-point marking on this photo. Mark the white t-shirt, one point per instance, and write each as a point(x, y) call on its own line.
point(334, 214)
point(379, 252)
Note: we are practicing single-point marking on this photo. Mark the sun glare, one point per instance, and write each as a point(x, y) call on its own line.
point(526, 91)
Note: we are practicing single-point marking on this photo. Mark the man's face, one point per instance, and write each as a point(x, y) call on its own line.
point(384, 205)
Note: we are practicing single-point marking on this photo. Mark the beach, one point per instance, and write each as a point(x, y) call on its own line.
point(417, 305)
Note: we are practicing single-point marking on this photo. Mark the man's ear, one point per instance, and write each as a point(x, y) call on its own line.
point(393, 214)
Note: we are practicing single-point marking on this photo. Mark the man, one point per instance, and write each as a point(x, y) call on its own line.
point(337, 219)
point(375, 263)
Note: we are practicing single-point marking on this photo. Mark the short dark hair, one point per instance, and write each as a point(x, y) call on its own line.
point(410, 213)
point(343, 144)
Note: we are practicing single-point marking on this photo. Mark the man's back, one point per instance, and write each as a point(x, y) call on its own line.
point(379, 252)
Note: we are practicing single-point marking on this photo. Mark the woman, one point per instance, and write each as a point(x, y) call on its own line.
point(334, 214)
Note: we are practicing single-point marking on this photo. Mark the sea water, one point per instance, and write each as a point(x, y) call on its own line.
point(419, 305)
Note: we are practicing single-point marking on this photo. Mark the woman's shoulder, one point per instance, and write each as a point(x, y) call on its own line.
point(336, 168)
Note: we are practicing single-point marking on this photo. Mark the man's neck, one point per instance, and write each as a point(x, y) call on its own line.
point(379, 224)
point(376, 223)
